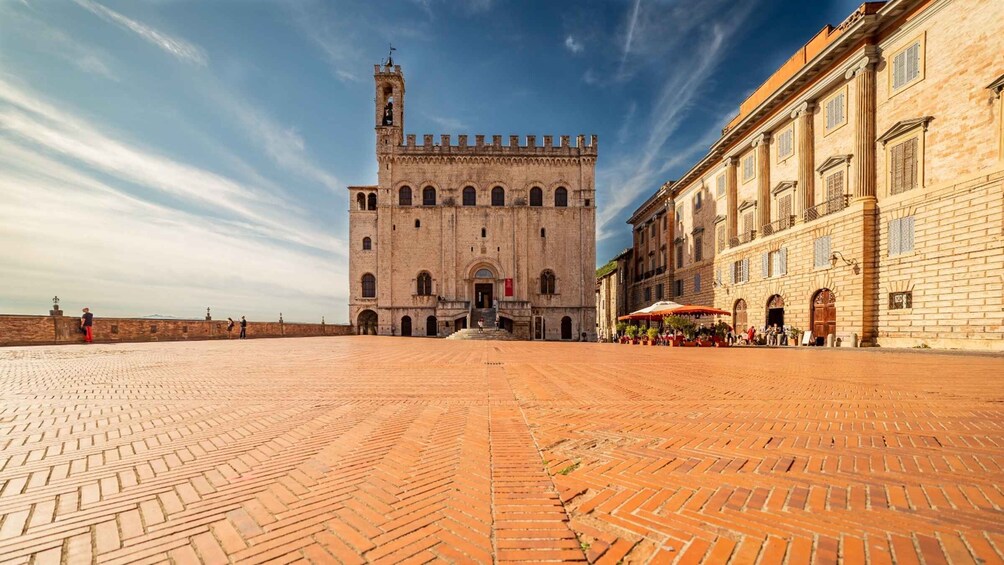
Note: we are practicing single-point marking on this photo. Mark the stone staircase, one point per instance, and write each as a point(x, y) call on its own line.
point(472, 334)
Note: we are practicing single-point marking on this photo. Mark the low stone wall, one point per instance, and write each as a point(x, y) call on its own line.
point(40, 330)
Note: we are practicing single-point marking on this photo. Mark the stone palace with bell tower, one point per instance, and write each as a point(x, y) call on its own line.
point(460, 230)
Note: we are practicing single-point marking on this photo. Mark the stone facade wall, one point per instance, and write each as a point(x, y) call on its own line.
point(954, 270)
point(451, 241)
point(39, 330)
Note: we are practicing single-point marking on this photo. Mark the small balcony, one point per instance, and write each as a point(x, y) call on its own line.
point(743, 238)
point(778, 225)
point(831, 206)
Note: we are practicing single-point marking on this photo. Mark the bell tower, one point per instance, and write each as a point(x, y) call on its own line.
point(389, 83)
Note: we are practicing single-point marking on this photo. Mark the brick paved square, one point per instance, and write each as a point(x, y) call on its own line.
point(373, 449)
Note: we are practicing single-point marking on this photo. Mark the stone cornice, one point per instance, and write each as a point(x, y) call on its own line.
point(903, 126)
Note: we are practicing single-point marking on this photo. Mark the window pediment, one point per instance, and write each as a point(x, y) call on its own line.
point(833, 161)
point(901, 127)
point(997, 86)
point(746, 204)
point(783, 186)
point(698, 230)
point(719, 219)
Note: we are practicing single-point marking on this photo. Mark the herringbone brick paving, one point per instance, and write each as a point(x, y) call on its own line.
point(368, 449)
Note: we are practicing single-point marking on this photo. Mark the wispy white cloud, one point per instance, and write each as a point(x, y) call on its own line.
point(330, 33)
point(447, 123)
point(642, 171)
point(97, 245)
point(176, 47)
point(572, 45)
point(28, 119)
point(629, 36)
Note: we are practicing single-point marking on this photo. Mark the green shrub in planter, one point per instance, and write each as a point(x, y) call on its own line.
point(653, 333)
point(631, 331)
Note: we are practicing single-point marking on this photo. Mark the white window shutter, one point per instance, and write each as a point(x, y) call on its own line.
point(765, 264)
point(816, 245)
point(784, 261)
point(746, 270)
point(732, 274)
point(894, 237)
point(826, 251)
point(907, 239)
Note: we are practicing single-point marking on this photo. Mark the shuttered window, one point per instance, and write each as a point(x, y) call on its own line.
point(749, 168)
point(835, 111)
point(901, 235)
point(778, 262)
point(784, 144)
point(906, 66)
point(697, 283)
point(835, 186)
point(720, 185)
point(748, 223)
point(765, 265)
point(720, 232)
point(903, 166)
point(784, 208)
point(698, 248)
point(679, 255)
point(821, 251)
point(741, 271)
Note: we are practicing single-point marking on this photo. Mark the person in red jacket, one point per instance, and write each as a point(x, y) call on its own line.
point(87, 325)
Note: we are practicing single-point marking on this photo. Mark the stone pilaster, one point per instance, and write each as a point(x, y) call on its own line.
point(732, 198)
point(863, 73)
point(806, 187)
point(762, 146)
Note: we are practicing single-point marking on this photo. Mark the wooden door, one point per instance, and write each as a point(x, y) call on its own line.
point(824, 315)
point(739, 316)
point(566, 328)
point(406, 326)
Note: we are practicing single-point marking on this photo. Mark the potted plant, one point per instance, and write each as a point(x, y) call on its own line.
point(794, 336)
point(620, 327)
point(652, 334)
point(631, 332)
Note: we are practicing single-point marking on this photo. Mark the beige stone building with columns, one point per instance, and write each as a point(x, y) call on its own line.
point(858, 192)
point(454, 233)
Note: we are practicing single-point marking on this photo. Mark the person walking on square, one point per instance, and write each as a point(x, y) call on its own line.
point(230, 327)
point(87, 325)
point(481, 325)
point(244, 328)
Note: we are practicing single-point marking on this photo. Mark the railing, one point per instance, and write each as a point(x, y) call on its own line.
point(778, 225)
point(743, 238)
point(446, 304)
point(660, 270)
point(831, 206)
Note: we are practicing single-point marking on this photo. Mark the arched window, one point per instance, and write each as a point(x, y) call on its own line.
point(536, 196)
point(404, 196)
point(560, 197)
point(361, 201)
point(498, 196)
point(484, 232)
point(484, 274)
point(428, 196)
point(424, 284)
point(367, 244)
point(418, 223)
point(369, 286)
point(547, 282)
point(371, 201)
point(470, 196)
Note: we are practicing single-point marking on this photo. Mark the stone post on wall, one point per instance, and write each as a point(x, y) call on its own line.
point(762, 146)
point(863, 73)
point(731, 198)
point(806, 186)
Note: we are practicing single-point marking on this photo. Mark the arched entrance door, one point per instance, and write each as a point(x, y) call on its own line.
point(406, 325)
point(366, 323)
point(739, 320)
point(566, 328)
point(775, 311)
point(430, 326)
point(824, 315)
point(484, 288)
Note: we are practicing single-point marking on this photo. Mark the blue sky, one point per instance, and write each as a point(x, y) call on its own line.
point(164, 156)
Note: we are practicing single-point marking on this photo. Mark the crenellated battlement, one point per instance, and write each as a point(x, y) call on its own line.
point(444, 145)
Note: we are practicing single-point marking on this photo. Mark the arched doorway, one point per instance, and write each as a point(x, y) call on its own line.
point(739, 320)
point(406, 325)
point(824, 315)
point(775, 311)
point(431, 326)
point(484, 288)
point(366, 323)
point(566, 328)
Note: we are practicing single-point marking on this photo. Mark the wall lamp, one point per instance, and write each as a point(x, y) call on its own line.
point(853, 263)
